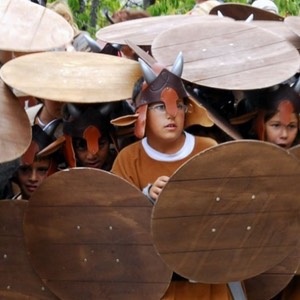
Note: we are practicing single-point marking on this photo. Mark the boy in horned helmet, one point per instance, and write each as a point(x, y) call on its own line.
point(163, 110)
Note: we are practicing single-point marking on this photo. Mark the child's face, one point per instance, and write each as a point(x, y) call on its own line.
point(161, 127)
point(87, 158)
point(31, 176)
point(280, 133)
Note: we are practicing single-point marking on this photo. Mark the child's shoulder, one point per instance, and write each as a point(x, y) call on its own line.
point(205, 142)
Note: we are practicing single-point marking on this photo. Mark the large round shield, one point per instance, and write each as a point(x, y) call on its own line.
point(88, 235)
point(18, 279)
point(226, 215)
point(15, 131)
point(28, 27)
point(143, 31)
point(77, 77)
point(228, 55)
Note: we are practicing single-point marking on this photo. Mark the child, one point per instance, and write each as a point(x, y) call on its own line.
point(33, 169)
point(163, 110)
point(273, 116)
point(88, 137)
point(277, 120)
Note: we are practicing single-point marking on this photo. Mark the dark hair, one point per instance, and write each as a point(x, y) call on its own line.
point(274, 97)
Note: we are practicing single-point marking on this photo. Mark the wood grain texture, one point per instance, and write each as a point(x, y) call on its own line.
point(226, 214)
point(270, 283)
point(281, 29)
point(228, 55)
point(78, 77)
point(18, 280)
point(293, 22)
point(31, 27)
point(143, 31)
point(15, 130)
point(90, 239)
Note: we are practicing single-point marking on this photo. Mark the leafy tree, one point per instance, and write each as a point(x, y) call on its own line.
point(89, 14)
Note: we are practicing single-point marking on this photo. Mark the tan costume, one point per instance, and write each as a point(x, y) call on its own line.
point(135, 165)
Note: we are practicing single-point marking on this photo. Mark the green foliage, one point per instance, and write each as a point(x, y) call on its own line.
point(170, 7)
point(161, 7)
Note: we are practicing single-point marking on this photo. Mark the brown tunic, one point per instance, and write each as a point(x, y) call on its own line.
point(134, 165)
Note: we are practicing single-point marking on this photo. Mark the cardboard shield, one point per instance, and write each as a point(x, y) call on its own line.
point(240, 11)
point(77, 77)
point(225, 215)
point(88, 235)
point(15, 130)
point(18, 279)
point(228, 55)
point(28, 27)
point(143, 31)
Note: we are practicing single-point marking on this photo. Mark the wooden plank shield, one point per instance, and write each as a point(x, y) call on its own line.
point(143, 31)
point(28, 27)
point(241, 11)
point(268, 284)
point(18, 279)
point(15, 130)
point(77, 77)
point(226, 215)
point(228, 55)
point(293, 22)
point(88, 235)
point(281, 29)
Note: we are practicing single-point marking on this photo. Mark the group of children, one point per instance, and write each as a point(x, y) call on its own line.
point(68, 135)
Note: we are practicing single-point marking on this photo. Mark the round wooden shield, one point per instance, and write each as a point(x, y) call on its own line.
point(15, 130)
point(28, 27)
point(293, 22)
point(240, 11)
point(88, 235)
point(268, 284)
point(295, 151)
point(143, 31)
point(16, 273)
point(226, 215)
point(228, 55)
point(77, 77)
point(281, 29)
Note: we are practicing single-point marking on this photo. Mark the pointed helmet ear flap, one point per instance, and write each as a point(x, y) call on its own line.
point(197, 115)
point(125, 120)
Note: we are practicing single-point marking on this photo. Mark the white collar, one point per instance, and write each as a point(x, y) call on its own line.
point(186, 150)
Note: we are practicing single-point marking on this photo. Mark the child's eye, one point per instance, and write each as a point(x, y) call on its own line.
point(42, 170)
point(181, 106)
point(25, 169)
point(80, 144)
point(160, 107)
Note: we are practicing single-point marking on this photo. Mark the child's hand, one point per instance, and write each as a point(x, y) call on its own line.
point(157, 186)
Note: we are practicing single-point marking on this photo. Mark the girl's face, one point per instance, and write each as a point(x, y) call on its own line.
point(163, 129)
point(31, 176)
point(281, 133)
point(89, 159)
